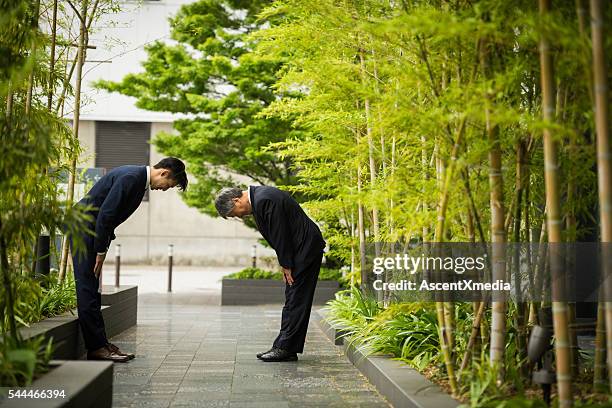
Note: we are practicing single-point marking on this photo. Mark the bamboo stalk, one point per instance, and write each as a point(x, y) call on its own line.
point(554, 221)
point(425, 206)
point(498, 231)
point(34, 24)
point(449, 322)
point(521, 337)
point(4, 264)
point(475, 348)
point(604, 162)
point(472, 205)
point(28, 108)
point(352, 248)
point(599, 373)
point(59, 107)
point(83, 40)
point(449, 173)
point(361, 225)
point(8, 287)
point(439, 237)
point(372, 165)
point(570, 226)
point(531, 308)
point(581, 13)
point(473, 335)
point(9, 104)
point(52, 56)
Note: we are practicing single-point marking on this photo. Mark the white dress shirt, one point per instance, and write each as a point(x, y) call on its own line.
point(148, 185)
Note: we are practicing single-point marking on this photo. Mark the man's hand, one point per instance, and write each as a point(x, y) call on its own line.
point(287, 278)
point(99, 262)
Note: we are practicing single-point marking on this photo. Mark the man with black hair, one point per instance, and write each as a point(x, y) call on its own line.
point(299, 246)
point(113, 199)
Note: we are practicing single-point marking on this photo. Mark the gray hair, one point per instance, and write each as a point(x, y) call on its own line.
point(223, 200)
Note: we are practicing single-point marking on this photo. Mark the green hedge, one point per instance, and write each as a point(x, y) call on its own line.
point(256, 273)
point(36, 298)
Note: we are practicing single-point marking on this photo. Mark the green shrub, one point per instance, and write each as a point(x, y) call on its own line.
point(42, 296)
point(256, 273)
point(409, 332)
point(330, 274)
point(22, 360)
point(351, 311)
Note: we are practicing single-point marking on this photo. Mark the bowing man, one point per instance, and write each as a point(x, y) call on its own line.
point(114, 198)
point(299, 248)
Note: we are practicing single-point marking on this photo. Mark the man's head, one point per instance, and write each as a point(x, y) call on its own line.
point(233, 202)
point(168, 173)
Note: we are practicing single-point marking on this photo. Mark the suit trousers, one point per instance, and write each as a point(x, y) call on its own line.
point(298, 302)
point(89, 301)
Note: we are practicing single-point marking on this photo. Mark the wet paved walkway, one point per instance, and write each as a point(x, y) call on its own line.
point(192, 353)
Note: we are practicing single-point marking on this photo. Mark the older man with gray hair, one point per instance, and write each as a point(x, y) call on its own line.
point(299, 246)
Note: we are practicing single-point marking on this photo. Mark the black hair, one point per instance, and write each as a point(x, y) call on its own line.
point(177, 170)
point(224, 201)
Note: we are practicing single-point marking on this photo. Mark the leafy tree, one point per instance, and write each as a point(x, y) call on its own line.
point(427, 124)
point(211, 75)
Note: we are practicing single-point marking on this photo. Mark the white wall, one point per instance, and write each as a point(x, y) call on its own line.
point(198, 239)
point(120, 38)
point(165, 219)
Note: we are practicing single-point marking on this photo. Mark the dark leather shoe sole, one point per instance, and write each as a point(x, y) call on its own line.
point(116, 350)
point(262, 353)
point(278, 359)
point(116, 358)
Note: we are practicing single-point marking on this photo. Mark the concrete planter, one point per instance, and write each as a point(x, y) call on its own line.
point(400, 384)
point(264, 291)
point(84, 384)
point(119, 311)
point(119, 308)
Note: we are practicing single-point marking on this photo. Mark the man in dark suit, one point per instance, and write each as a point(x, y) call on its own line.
point(299, 248)
point(113, 199)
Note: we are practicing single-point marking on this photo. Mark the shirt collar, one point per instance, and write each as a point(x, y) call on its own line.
point(148, 185)
point(249, 193)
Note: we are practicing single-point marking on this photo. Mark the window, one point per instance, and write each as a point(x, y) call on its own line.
point(121, 143)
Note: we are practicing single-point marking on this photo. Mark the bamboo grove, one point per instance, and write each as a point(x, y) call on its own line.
point(42, 52)
point(455, 121)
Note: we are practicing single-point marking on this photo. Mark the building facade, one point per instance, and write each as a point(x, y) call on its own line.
point(113, 132)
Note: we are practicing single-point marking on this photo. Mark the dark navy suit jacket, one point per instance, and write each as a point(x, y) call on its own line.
point(282, 222)
point(115, 197)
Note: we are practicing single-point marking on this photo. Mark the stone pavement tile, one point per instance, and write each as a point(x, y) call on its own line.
point(259, 404)
point(217, 363)
point(179, 358)
point(144, 361)
point(165, 382)
point(203, 373)
point(205, 387)
point(171, 372)
point(149, 402)
point(167, 377)
point(200, 403)
point(130, 379)
point(203, 393)
point(262, 396)
point(194, 354)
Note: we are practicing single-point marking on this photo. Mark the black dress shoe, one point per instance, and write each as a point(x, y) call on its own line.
point(264, 352)
point(277, 354)
point(104, 353)
point(115, 349)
